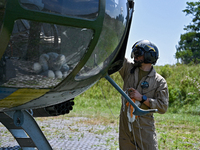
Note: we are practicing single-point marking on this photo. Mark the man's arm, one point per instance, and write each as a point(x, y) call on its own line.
point(122, 70)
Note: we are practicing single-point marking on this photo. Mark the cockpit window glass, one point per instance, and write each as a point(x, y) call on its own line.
point(41, 55)
point(78, 8)
point(115, 22)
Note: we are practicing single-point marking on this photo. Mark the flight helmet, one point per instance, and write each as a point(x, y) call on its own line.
point(146, 48)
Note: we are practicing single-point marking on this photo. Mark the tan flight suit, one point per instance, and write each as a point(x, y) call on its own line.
point(143, 128)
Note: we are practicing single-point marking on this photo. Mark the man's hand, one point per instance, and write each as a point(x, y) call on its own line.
point(133, 93)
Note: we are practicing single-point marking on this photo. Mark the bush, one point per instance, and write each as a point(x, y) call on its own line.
point(184, 88)
point(165, 71)
point(175, 96)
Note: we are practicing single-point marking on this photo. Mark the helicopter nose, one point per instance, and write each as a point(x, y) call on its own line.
point(58, 45)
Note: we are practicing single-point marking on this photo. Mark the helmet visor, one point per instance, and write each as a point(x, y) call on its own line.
point(136, 52)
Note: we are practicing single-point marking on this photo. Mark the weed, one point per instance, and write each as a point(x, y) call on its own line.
point(82, 135)
point(70, 137)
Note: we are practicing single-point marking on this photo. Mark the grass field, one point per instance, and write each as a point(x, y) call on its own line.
point(178, 131)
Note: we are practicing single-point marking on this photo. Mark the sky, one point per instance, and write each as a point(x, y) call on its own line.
point(161, 22)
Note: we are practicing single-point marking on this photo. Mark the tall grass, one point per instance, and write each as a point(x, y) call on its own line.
point(100, 99)
point(184, 87)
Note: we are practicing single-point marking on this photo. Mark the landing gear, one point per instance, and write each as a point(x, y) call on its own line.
point(25, 130)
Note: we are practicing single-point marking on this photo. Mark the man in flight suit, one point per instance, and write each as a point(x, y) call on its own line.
point(149, 91)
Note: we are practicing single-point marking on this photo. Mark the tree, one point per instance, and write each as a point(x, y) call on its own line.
point(188, 49)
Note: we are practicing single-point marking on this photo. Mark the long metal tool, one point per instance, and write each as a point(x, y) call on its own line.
point(137, 111)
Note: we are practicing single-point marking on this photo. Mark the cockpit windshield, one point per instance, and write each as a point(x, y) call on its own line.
point(41, 54)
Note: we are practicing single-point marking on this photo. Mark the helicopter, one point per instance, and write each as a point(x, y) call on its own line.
point(52, 51)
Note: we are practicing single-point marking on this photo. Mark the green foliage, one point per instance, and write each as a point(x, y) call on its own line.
point(183, 84)
point(188, 49)
point(193, 8)
point(184, 87)
point(174, 95)
point(103, 96)
point(165, 71)
point(104, 90)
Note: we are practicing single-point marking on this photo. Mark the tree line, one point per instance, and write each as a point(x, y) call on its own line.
point(188, 48)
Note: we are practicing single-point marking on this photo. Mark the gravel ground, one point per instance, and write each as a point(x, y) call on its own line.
point(70, 133)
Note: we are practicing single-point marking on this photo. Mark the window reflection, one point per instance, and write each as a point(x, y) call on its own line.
point(117, 9)
point(114, 24)
point(79, 8)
